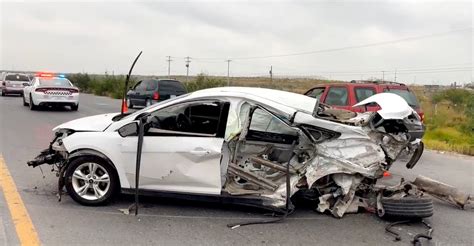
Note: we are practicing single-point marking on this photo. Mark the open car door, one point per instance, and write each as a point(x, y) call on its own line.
point(181, 148)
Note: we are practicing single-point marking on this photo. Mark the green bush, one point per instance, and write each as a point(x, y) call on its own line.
point(102, 85)
point(203, 82)
point(81, 80)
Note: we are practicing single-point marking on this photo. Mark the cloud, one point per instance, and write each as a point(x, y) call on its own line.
point(99, 36)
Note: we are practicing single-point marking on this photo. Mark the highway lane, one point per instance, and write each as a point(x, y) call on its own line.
point(24, 133)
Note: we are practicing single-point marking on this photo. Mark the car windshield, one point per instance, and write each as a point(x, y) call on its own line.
point(55, 82)
point(406, 94)
point(17, 77)
point(134, 114)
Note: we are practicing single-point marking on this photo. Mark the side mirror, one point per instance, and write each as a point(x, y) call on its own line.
point(130, 129)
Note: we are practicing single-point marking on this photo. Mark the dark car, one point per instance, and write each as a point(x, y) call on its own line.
point(344, 95)
point(13, 83)
point(149, 91)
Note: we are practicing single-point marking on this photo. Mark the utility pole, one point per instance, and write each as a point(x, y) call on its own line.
point(169, 66)
point(395, 75)
point(187, 67)
point(271, 74)
point(383, 76)
point(228, 72)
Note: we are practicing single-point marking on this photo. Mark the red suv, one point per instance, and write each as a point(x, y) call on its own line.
point(344, 95)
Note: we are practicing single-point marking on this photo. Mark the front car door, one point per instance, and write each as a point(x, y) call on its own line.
point(338, 97)
point(181, 148)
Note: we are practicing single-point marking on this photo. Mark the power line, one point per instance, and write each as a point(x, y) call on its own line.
point(344, 48)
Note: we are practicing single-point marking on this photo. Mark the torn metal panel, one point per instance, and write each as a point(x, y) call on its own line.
point(393, 106)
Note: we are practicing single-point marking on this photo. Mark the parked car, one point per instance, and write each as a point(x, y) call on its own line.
point(345, 95)
point(240, 145)
point(151, 91)
point(48, 89)
point(13, 83)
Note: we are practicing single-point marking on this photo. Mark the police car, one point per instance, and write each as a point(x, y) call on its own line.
point(47, 89)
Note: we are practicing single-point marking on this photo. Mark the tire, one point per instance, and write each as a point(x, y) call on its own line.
point(407, 208)
point(129, 103)
point(2, 93)
point(74, 107)
point(97, 192)
point(32, 105)
point(24, 101)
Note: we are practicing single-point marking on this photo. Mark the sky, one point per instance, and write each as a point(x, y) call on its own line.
point(423, 42)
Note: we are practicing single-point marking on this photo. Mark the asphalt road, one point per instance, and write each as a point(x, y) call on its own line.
point(23, 133)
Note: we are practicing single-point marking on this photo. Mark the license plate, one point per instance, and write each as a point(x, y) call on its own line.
point(172, 96)
point(59, 98)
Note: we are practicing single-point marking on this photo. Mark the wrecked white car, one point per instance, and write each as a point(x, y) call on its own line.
point(240, 145)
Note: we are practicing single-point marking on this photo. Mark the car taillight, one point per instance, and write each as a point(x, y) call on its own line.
point(41, 90)
point(156, 96)
point(73, 90)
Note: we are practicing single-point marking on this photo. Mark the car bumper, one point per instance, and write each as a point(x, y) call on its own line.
point(12, 90)
point(56, 100)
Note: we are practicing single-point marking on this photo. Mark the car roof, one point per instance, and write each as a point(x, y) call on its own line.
point(287, 102)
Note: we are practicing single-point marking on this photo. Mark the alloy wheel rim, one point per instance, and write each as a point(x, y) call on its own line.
point(90, 181)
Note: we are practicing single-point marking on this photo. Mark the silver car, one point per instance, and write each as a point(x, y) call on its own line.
point(13, 83)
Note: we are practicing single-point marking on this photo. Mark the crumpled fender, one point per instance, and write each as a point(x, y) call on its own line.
point(393, 106)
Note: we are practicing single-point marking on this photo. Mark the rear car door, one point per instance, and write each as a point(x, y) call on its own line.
point(181, 148)
point(137, 90)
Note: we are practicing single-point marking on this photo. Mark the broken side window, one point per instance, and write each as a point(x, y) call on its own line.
point(266, 127)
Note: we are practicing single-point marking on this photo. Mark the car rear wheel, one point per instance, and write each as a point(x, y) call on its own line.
point(91, 181)
point(24, 101)
point(2, 93)
point(407, 208)
point(75, 107)
point(32, 105)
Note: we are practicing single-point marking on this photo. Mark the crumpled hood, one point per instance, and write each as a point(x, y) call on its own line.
point(393, 106)
point(96, 123)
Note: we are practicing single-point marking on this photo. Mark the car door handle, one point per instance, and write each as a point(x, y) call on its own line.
point(200, 152)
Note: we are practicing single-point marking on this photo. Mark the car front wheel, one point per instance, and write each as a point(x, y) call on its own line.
point(91, 181)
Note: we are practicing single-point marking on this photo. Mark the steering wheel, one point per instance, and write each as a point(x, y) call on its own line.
point(183, 122)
